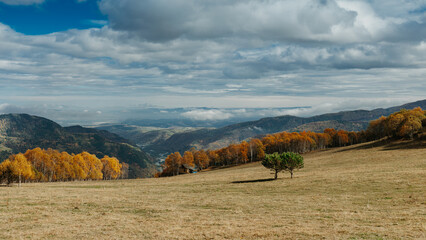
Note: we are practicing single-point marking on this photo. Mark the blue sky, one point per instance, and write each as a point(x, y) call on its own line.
point(52, 16)
point(104, 60)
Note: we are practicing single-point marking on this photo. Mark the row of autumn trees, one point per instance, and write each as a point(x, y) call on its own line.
point(39, 165)
point(402, 124)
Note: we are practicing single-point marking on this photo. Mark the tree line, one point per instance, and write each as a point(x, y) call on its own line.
point(40, 165)
point(401, 124)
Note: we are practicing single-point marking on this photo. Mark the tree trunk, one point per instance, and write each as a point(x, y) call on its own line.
point(291, 172)
point(19, 180)
point(276, 174)
point(251, 153)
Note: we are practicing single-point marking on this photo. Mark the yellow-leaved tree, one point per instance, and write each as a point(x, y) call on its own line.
point(111, 168)
point(94, 166)
point(80, 167)
point(16, 168)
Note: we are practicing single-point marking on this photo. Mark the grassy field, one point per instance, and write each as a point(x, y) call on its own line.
point(358, 192)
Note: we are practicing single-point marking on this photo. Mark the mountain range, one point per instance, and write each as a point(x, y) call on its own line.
point(162, 141)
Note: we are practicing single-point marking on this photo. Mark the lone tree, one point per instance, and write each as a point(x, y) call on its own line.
point(292, 161)
point(287, 161)
point(274, 162)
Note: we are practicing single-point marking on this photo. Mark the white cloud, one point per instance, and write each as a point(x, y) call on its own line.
point(98, 22)
point(22, 2)
point(203, 115)
point(270, 20)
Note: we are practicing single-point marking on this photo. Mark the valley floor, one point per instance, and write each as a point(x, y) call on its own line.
point(357, 192)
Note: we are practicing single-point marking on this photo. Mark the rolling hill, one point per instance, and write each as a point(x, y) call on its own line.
point(19, 132)
point(369, 191)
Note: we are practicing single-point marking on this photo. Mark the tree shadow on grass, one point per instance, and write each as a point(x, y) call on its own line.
point(374, 144)
point(389, 144)
point(256, 180)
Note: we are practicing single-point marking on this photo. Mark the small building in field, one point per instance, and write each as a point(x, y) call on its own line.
point(185, 168)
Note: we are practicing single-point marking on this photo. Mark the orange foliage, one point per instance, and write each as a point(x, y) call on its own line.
point(402, 124)
point(172, 164)
point(111, 167)
point(188, 158)
point(51, 165)
point(201, 159)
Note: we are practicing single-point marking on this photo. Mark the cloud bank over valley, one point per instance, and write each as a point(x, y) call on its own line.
point(329, 55)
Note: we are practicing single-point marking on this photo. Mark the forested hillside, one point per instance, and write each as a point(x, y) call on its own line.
point(216, 138)
point(20, 132)
point(402, 124)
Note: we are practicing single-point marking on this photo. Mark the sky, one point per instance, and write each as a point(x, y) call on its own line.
point(108, 60)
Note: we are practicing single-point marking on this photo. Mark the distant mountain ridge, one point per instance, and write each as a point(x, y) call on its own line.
point(215, 138)
point(19, 132)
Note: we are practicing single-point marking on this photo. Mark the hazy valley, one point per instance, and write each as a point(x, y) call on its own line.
point(162, 141)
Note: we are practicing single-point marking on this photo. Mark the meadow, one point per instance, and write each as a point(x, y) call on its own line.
point(366, 191)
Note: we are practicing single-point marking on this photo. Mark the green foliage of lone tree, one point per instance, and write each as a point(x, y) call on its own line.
point(287, 161)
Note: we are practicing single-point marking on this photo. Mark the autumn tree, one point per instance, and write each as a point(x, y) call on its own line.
point(213, 157)
point(188, 158)
point(331, 132)
point(342, 138)
point(64, 170)
point(38, 159)
point(79, 167)
point(94, 166)
point(201, 159)
point(6, 172)
point(376, 129)
point(16, 168)
point(256, 150)
point(393, 123)
point(124, 170)
point(412, 123)
point(224, 156)
point(111, 168)
point(172, 163)
point(244, 149)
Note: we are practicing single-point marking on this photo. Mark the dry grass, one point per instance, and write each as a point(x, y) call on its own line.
point(350, 193)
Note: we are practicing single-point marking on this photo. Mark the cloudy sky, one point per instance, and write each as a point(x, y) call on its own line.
point(96, 59)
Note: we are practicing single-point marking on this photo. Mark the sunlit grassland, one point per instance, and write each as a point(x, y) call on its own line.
point(357, 192)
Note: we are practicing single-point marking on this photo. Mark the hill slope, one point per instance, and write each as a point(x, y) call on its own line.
point(369, 191)
point(144, 136)
point(216, 138)
point(19, 132)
